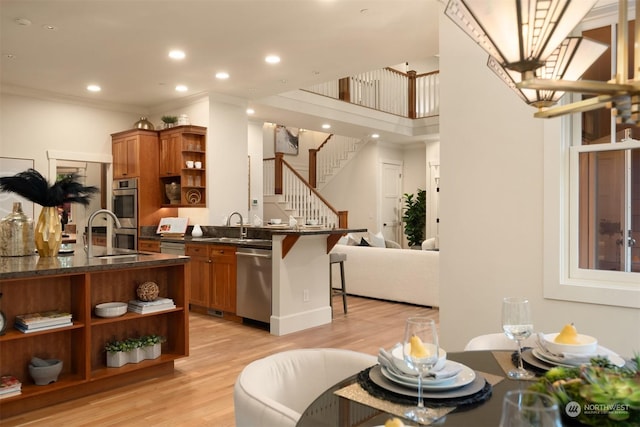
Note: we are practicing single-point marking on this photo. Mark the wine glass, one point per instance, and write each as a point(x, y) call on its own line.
point(517, 325)
point(523, 408)
point(420, 350)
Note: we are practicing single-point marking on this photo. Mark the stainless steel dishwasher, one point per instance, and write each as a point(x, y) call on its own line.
point(254, 284)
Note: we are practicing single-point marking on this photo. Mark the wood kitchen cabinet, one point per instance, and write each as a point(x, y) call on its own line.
point(131, 152)
point(213, 276)
point(179, 145)
point(149, 245)
point(135, 155)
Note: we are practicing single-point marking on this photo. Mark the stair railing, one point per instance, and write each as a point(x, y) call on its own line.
point(325, 159)
point(407, 94)
point(299, 195)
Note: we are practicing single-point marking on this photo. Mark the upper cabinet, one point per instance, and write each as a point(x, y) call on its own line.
point(127, 149)
point(183, 164)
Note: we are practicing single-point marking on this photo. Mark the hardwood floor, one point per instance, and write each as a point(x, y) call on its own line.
point(200, 391)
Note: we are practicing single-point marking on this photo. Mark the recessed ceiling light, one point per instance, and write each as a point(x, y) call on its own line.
point(177, 54)
point(375, 135)
point(9, 56)
point(222, 75)
point(250, 111)
point(94, 88)
point(181, 88)
point(50, 27)
point(272, 59)
point(326, 126)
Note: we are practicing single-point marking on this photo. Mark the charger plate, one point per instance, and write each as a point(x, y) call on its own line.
point(478, 383)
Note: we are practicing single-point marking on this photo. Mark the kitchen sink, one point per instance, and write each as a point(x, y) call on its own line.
point(236, 240)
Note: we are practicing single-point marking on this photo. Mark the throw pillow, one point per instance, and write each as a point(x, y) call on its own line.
point(363, 242)
point(351, 240)
point(377, 239)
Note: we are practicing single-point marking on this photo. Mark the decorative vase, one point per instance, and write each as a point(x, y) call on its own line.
point(48, 232)
point(143, 123)
point(173, 193)
point(197, 231)
point(16, 233)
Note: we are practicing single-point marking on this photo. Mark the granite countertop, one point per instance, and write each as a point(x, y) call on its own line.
point(118, 259)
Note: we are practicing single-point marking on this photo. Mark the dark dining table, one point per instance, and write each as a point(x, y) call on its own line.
point(484, 414)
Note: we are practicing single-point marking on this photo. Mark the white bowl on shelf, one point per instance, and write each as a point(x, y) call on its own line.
point(586, 344)
point(111, 309)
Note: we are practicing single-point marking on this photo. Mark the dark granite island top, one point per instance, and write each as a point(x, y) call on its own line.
point(34, 266)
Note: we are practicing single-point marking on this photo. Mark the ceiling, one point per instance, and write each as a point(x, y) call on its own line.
point(123, 45)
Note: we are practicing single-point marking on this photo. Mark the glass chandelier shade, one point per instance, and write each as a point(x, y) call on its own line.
point(568, 61)
point(520, 35)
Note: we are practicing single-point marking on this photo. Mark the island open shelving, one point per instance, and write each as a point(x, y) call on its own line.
point(77, 287)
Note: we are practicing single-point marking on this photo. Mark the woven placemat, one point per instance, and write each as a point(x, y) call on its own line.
point(509, 359)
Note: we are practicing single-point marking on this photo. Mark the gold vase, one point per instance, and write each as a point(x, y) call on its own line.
point(48, 232)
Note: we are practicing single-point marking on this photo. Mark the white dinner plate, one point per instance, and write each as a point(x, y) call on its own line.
point(375, 375)
point(413, 379)
point(567, 362)
point(464, 377)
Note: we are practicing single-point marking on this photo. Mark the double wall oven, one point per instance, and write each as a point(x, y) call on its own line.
point(125, 206)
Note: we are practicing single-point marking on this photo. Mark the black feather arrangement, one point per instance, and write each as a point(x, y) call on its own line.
point(34, 187)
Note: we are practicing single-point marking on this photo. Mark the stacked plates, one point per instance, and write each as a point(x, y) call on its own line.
point(451, 379)
point(543, 359)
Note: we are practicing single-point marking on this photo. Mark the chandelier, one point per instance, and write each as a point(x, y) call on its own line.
point(529, 49)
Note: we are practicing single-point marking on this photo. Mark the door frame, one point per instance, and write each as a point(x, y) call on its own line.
point(379, 221)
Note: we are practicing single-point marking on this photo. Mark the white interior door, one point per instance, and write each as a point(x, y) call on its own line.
point(391, 200)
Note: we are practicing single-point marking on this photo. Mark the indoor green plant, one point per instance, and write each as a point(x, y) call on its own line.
point(415, 217)
point(31, 185)
point(602, 394)
point(169, 121)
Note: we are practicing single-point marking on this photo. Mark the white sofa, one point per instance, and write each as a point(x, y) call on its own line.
point(404, 275)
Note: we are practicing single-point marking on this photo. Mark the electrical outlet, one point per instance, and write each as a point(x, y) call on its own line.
point(305, 295)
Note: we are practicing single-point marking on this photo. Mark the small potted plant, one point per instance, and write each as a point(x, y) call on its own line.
point(169, 121)
point(152, 346)
point(117, 355)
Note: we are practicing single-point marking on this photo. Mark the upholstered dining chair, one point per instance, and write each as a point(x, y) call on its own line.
point(496, 341)
point(275, 390)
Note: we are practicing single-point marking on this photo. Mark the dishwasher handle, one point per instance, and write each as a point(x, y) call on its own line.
point(253, 255)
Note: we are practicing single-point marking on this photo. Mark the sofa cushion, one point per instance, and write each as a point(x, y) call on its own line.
point(376, 240)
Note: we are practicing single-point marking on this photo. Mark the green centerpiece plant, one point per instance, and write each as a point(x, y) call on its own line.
point(415, 217)
point(595, 394)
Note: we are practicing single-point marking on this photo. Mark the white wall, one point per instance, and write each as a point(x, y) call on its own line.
point(491, 208)
point(31, 126)
point(255, 184)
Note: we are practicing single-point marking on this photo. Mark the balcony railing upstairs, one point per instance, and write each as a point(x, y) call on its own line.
point(306, 202)
point(408, 94)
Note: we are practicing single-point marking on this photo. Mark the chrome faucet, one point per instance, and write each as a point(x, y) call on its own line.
point(89, 227)
point(243, 231)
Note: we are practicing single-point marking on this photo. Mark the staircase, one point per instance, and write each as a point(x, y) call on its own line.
point(287, 193)
point(332, 155)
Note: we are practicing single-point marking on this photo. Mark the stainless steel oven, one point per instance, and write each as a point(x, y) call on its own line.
point(125, 202)
point(125, 206)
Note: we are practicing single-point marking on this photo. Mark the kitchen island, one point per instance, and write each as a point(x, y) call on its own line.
point(76, 284)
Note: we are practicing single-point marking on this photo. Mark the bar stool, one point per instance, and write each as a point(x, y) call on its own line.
point(338, 258)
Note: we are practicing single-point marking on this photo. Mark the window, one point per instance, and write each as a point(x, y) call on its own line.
point(592, 201)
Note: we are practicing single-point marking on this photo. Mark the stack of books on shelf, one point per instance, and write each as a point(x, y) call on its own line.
point(9, 386)
point(144, 307)
point(34, 322)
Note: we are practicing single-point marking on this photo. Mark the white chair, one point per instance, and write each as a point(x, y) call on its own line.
point(275, 390)
point(497, 341)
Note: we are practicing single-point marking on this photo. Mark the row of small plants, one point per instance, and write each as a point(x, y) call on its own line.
point(133, 343)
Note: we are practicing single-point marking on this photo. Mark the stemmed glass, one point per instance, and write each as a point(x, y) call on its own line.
point(517, 325)
point(523, 408)
point(420, 354)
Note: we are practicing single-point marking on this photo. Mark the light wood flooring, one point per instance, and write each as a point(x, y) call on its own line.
point(200, 391)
